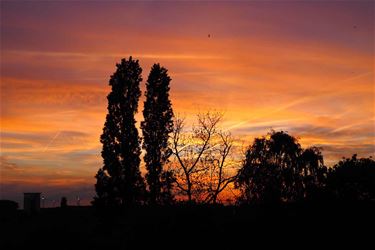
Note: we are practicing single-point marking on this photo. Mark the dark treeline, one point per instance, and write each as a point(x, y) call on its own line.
point(275, 168)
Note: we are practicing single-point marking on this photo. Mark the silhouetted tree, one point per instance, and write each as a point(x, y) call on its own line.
point(219, 164)
point(277, 169)
point(104, 191)
point(167, 185)
point(314, 173)
point(120, 180)
point(200, 162)
point(189, 149)
point(64, 202)
point(353, 179)
point(156, 127)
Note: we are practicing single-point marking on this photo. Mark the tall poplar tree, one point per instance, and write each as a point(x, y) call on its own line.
point(156, 127)
point(120, 181)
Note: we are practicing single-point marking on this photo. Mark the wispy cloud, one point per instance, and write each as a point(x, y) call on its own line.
point(51, 141)
point(298, 67)
point(100, 56)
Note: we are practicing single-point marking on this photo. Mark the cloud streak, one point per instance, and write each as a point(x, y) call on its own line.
point(296, 66)
point(51, 141)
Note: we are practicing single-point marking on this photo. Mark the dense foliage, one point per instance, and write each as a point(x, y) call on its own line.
point(156, 127)
point(353, 179)
point(276, 168)
point(119, 182)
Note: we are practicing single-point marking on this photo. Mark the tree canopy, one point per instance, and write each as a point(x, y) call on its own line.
point(353, 179)
point(156, 127)
point(119, 182)
point(276, 168)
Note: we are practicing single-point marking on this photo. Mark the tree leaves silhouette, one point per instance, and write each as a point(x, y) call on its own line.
point(156, 127)
point(353, 179)
point(119, 182)
point(277, 169)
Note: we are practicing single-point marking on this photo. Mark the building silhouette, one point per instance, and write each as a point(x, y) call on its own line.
point(31, 202)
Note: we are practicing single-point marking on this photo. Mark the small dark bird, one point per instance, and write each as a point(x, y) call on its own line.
point(355, 26)
point(209, 35)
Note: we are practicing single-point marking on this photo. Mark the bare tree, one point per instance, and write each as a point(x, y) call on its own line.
point(201, 158)
point(220, 163)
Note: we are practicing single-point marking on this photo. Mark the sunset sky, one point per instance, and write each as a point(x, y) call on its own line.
point(307, 68)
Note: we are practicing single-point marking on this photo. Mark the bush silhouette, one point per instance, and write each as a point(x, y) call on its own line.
point(353, 179)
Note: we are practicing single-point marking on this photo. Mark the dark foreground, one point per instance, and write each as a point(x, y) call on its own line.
point(300, 225)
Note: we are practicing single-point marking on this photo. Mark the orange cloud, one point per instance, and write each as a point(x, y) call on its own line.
point(299, 67)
